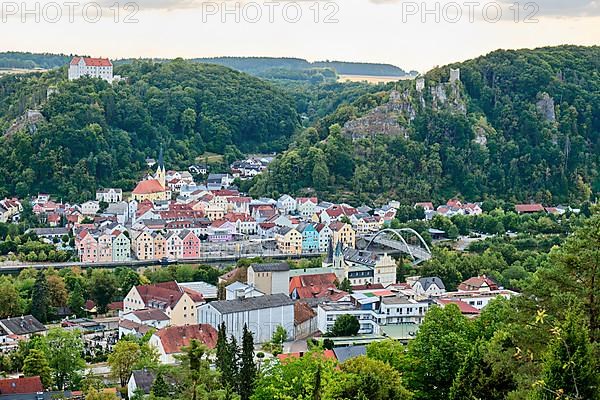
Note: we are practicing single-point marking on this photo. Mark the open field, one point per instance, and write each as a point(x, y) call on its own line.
point(9, 71)
point(372, 79)
point(210, 158)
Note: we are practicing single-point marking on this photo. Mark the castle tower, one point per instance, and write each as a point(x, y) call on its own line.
point(454, 75)
point(161, 174)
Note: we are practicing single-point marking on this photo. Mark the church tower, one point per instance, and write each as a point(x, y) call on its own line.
point(340, 267)
point(161, 174)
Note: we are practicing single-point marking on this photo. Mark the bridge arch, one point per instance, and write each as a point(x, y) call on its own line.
point(397, 233)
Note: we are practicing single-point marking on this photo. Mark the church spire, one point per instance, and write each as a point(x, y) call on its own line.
point(160, 171)
point(161, 161)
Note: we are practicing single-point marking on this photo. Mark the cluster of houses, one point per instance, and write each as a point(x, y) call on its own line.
point(169, 216)
point(249, 168)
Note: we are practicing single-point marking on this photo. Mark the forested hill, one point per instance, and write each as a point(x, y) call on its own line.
point(97, 134)
point(260, 65)
point(13, 59)
point(519, 125)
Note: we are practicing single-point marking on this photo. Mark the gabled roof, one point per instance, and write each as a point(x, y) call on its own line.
point(174, 338)
point(318, 280)
point(271, 267)
point(521, 208)
point(303, 312)
point(151, 314)
point(148, 187)
point(430, 280)
point(92, 62)
point(24, 325)
point(253, 303)
point(32, 384)
point(344, 353)
point(143, 380)
point(478, 282)
point(465, 308)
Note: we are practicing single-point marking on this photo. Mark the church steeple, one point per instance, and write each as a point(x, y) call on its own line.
point(161, 174)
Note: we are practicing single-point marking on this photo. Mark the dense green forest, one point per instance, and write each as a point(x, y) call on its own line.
point(14, 59)
point(98, 134)
point(260, 65)
point(520, 125)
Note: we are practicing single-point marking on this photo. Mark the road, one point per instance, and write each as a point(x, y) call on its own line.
point(16, 267)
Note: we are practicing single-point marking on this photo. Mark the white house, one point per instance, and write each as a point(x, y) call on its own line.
point(431, 286)
point(90, 207)
point(140, 380)
point(151, 317)
point(93, 67)
point(109, 195)
point(262, 315)
point(306, 206)
point(169, 342)
point(241, 290)
point(286, 204)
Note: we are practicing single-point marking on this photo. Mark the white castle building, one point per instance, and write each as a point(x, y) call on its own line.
point(93, 67)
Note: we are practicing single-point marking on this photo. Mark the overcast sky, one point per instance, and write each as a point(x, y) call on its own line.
point(388, 31)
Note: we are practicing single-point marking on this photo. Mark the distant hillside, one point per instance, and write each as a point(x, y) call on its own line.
point(11, 59)
point(258, 65)
point(518, 125)
point(99, 134)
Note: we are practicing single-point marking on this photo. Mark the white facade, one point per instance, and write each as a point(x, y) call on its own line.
point(262, 315)
point(479, 299)
point(93, 67)
point(90, 207)
point(109, 195)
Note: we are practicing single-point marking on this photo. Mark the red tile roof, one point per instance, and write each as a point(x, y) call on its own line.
point(529, 208)
point(28, 385)
point(314, 280)
point(148, 186)
point(464, 308)
point(303, 312)
point(302, 200)
point(291, 356)
point(476, 282)
point(175, 337)
point(92, 62)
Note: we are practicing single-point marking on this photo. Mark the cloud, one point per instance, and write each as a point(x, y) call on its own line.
point(555, 8)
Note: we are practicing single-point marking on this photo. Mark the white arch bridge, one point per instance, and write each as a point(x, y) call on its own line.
point(398, 239)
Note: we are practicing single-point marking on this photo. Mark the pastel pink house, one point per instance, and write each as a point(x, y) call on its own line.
point(87, 247)
point(190, 244)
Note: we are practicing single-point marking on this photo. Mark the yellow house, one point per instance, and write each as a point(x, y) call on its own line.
point(289, 241)
point(344, 233)
point(143, 246)
point(178, 303)
point(160, 246)
point(214, 212)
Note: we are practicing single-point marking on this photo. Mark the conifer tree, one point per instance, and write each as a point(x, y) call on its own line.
point(40, 298)
point(248, 371)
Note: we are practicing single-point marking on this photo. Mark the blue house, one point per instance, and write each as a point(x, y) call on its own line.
point(310, 237)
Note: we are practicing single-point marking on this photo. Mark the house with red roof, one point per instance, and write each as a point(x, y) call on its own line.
point(179, 303)
point(529, 208)
point(315, 282)
point(87, 247)
point(101, 68)
point(479, 283)
point(170, 341)
point(17, 387)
